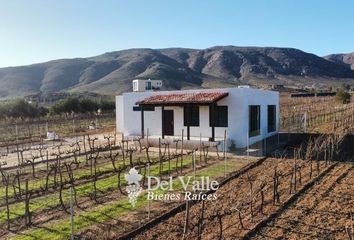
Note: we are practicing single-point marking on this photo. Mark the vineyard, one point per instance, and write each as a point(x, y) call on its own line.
point(31, 132)
point(316, 114)
point(87, 174)
point(76, 185)
point(261, 202)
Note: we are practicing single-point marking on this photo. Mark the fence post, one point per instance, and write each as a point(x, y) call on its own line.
point(148, 174)
point(194, 166)
point(225, 153)
point(71, 214)
point(248, 145)
point(200, 148)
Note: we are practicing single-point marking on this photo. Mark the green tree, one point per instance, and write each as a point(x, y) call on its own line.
point(87, 105)
point(107, 106)
point(76, 105)
point(72, 104)
point(3, 111)
point(58, 108)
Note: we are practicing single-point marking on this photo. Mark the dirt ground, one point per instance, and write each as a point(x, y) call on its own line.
point(323, 212)
point(221, 217)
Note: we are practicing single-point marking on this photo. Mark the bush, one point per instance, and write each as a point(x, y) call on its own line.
point(107, 106)
point(83, 105)
point(343, 97)
point(87, 105)
point(21, 109)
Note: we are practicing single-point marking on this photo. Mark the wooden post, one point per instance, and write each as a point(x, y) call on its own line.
point(212, 120)
point(148, 173)
point(7, 202)
point(182, 150)
point(17, 150)
point(225, 153)
point(186, 221)
point(200, 148)
point(188, 111)
point(265, 146)
point(162, 110)
point(147, 137)
point(160, 158)
point(71, 214)
point(194, 164)
point(142, 120)
point(247, 143)
point(27, 210)
point(224, 147)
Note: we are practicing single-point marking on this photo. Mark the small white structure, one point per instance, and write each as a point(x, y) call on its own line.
point(142, 85)
point(52, 136)
point(248, 115)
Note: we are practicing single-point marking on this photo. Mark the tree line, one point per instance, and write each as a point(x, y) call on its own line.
point(73, 105)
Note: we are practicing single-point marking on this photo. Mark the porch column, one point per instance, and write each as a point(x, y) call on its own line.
point(142, 120)
point(212, 121)
point(188, 111)
point(163, 132)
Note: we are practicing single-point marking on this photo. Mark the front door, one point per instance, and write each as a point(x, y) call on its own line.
point(167, 122)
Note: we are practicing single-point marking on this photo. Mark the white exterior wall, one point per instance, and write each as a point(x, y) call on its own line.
point(139, 85)
point(238, 101)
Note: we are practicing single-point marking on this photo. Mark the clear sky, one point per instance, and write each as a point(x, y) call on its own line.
point(34, 31)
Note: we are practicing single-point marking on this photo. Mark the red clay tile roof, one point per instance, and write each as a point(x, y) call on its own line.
point(183, 98)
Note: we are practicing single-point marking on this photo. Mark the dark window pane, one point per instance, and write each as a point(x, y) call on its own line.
point(272, 116)
point(254, 120)
point(191, 115)
point(148, 86)
point(220, 116)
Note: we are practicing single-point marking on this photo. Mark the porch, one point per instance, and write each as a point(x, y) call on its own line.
point(191, 103)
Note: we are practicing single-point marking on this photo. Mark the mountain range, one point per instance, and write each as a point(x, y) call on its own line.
point(179, 68)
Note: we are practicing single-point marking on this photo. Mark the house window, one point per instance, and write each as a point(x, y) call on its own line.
point(191, 115)
point(135, 87)
point(220, 116)
point(254, 120)
point(148, 86)
point(272, 116)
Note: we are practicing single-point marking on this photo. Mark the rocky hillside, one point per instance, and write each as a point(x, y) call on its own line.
point(111, 73)
point(343, 59)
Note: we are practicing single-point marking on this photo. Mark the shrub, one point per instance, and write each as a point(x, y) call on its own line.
point(21, 109)
point(343, 97)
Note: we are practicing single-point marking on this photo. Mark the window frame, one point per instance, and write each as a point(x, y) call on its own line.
point(257, 131)
point(218, 113)
point(187, 111)
point(273, 127)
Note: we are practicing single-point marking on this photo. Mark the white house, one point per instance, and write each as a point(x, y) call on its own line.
point(142, 85)
point(248, 115)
